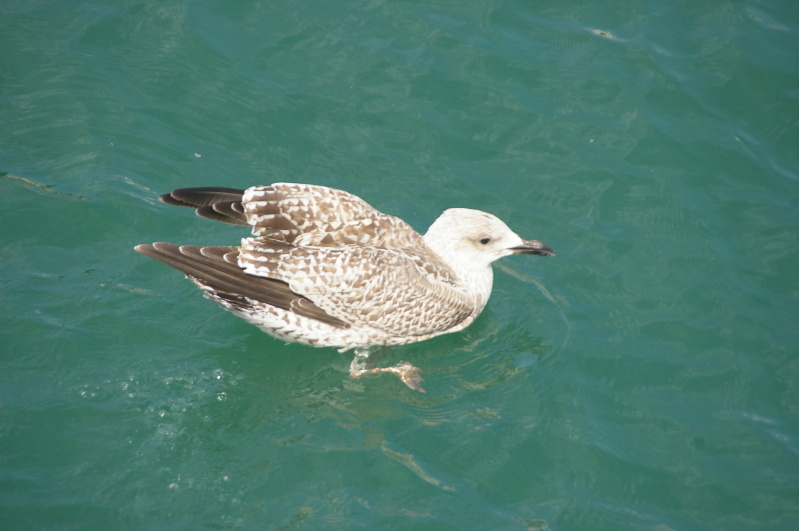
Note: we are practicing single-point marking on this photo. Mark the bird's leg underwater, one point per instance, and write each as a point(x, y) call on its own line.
point(404, 371)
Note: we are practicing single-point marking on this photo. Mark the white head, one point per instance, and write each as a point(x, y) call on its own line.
point(474, 239)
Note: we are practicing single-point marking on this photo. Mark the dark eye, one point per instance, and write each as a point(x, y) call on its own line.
point(484, 241)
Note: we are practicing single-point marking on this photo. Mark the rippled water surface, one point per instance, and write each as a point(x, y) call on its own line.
point(647, 377)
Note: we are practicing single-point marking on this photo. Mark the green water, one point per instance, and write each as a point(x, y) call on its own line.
point(647, 377)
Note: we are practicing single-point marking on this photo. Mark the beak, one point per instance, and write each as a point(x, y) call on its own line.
point(533, 247)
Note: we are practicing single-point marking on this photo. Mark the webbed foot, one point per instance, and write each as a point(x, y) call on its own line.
point(404, 371)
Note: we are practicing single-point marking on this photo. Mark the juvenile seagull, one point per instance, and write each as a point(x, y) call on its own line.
point(324, 268)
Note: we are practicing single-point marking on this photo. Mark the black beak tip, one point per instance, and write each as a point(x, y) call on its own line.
point(547, 252)
point(534, 247)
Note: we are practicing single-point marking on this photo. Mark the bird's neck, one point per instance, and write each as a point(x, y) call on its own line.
point(474, 276)
point(479, 283)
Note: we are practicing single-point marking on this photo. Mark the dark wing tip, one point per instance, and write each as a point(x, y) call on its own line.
point(212, 202)
point(201, 196)
point(157, 250)
point(144, 248)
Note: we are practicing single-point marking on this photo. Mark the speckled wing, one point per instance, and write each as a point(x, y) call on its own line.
point(403, 294)
point(308, 215)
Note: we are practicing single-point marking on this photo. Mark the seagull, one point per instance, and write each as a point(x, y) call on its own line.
point(325, 268)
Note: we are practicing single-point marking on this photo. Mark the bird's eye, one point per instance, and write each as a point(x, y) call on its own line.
point(484, 241)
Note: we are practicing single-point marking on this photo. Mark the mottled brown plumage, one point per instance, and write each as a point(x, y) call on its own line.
point(324, 268)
